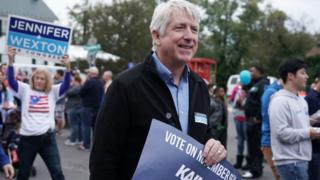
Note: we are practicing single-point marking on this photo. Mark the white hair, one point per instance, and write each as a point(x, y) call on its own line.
point(163, 13)
point(109, 73)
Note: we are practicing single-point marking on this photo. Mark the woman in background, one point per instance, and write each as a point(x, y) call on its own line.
point(37, 114)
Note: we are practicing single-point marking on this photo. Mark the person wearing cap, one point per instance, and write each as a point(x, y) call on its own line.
point(162, 87)
point(91, 95)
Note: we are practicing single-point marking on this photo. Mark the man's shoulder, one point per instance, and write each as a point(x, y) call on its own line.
point(280, 99)
point(263, 81)
point(129, 76)
point(269, 91)
point(313, 94)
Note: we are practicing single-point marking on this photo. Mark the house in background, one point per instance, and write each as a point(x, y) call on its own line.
point(35, 9)
point(315, 51)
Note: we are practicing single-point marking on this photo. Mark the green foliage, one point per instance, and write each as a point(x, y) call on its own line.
point(313, 67)
point(236, 33)
point(121, 28)
point(241, 34)
point(82, 14)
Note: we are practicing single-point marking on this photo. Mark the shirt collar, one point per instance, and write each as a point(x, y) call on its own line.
point(164, 73)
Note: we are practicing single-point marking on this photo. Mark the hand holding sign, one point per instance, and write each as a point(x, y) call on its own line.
point(11, 54)
point(66, 61)
point(315, 118)
point(213, 152)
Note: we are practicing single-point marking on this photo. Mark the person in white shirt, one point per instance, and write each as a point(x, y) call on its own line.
point(37, 117)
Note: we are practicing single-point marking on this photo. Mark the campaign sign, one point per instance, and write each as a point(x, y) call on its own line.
point(171, 154)
point(37, 38)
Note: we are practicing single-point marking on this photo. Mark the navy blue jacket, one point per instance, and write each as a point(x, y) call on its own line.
point(91, 93)
point(313, 100)
point(252, 107)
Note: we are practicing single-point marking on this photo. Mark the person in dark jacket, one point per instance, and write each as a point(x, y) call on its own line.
point(163, 88)
point(252, 110)
point(218, 119)
point(91, 95)
point(313, 100)
point(73, 108)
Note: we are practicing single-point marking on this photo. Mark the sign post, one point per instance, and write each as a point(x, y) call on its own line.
point(92, 52)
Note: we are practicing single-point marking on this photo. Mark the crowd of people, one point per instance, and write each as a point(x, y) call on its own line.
point(278, 123)
point(272, 121)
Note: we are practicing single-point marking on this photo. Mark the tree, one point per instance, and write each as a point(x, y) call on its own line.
point(230, 34)
point(120, 28)
point(239, 34)
point(82, 14)
point(275, 42)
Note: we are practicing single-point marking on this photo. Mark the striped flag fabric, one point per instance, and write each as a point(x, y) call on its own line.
point(39, 104)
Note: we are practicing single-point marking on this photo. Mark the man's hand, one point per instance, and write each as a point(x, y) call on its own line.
point(314, 120)
point(11, 53)
point(213, 152)
point(314, 134)
point(8, 171)
point(66, 61)
point(256, 120)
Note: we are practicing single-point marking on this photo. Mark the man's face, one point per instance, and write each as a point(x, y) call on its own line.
point(299, 80)
point(57, 76)
point(106, 76)
point(39, 81)
point(255, 73)
point(180, 41)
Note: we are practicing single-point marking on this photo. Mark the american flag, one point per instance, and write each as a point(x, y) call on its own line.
point(38, 104)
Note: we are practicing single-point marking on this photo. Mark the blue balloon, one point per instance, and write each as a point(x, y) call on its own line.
point(245, 77)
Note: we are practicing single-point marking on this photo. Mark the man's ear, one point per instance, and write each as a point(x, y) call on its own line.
point(290, 76)
point(155, 37)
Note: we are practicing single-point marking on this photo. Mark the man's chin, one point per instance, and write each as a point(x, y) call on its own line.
point(302, 88)
point(186, 59)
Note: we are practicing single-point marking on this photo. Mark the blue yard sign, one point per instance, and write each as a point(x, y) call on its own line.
point(38, 39)
point(171, 154)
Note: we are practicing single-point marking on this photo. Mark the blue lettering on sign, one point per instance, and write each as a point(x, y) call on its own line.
point(37, 28)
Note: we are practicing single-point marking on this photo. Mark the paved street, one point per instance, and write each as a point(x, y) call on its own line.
point(75, 162)
point(232, 149)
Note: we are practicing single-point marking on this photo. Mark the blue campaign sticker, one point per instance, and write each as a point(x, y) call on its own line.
point(200, 118)
point(38, 39)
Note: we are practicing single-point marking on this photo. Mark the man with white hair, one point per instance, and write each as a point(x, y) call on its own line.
point(163, 88)
point(107, 78)
point(91, 95)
